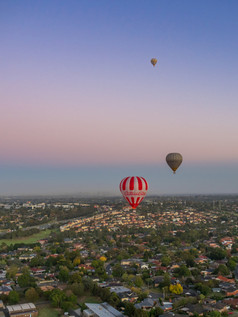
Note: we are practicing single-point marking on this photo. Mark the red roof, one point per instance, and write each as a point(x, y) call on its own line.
point(224, 279)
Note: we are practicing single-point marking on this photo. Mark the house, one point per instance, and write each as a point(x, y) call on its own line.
point(146, 304)
point(221, 307)
point(232, 302)
point(144, 266)
point(119, 290)
point(231, 291)
point(5, 290)
point(201, 259)
point(43, 241)
point(225, 279)
point(167, 306)
point(101, 310)
point(157, 280)
point(196, 308)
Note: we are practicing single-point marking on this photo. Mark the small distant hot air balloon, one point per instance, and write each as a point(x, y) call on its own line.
point(174, 160)
point(153, 61)
point(133, 189)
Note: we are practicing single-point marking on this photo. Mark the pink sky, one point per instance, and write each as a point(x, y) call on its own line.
point(77, 87)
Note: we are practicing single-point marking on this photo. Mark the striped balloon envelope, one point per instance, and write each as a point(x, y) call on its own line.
point(133, 189)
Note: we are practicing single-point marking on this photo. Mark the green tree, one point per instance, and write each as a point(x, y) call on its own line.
point(12, 271)
point(140, 313)
point(166, 280)
point(165, 260)
point(138, 281)
point(26, 280)
point(204, 289)
point(156, 312)
point(37, 261)
point(75, 278)
point(117, 270)
point(104, 293)
point(129, 309)
point(13, 297)
point(77, 289)
point(88, 284)
point(190, 261)
point(64, 274)
point(231, 264)
point(57, 297)
point(114, 300)
point(214, 314)
point(217, 254)
point(125, 277)
point(31, 295)
point(223, 269)
point(182, 271)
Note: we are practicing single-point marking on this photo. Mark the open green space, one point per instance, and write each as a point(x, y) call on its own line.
point(89, 299)
point(48, 312)
point(31, 239)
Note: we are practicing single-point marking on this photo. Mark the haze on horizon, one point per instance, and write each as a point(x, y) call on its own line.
point(82, 107)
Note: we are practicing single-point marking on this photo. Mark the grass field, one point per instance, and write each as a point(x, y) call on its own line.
point(31, 239)
point(48, 312)
point(89, 299)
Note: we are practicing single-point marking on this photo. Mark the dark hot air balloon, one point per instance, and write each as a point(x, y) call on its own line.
point(153, 61)
point(133, 189)
point(174, 160)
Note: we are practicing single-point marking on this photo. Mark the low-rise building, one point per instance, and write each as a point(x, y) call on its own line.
point(22, 310)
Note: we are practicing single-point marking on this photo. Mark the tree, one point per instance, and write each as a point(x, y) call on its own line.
point(214, 314)
point(129, 309)
point(75, 278)
point(223, 269)
point(13, 297)
point(182, 271)
point(204, 289)
point(114, 300)
point(77, 261)
point(77, 289)
point(138, 281)
point(37, 261)
point(142, 296)
point(165, 261)
point(140, 313)
point(88, 284)
point(190, 261)
point(125, 277)
point(166, 280)
point(217, 254)
point(12, 271)
point(117, 270)
point(104, 293)
point(64, 274)
point(156, 312)
point(31, 295)
point(231, 264)
point(26, 280)
point(176, 289)
point(57, 297)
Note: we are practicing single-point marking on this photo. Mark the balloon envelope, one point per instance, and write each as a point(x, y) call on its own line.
point(153, 61)
point(133, 189)
point(174, 160)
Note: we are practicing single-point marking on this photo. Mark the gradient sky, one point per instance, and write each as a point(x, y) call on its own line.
point(82, 107)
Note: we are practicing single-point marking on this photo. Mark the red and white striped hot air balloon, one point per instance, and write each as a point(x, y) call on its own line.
point(133, 189)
